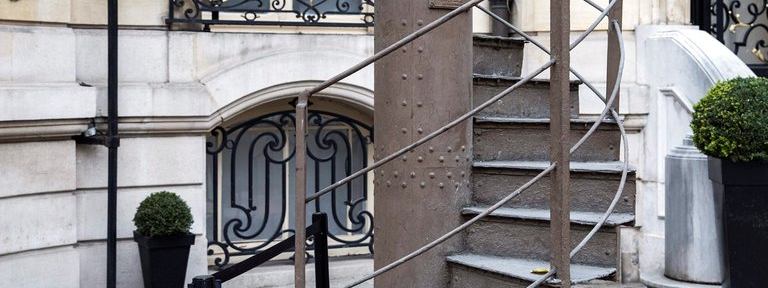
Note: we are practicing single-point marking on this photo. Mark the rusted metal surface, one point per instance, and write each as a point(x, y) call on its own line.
point(301, 190)
point(613, 51)
point(420, 88)
point(560, 147)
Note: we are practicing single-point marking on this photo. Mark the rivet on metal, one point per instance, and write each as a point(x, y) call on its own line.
point(404, 130)
point(405, 76)
point(431, 149)
point(420, 76)
point(457, 159)
point(441, 159)
point(449, 175)
point(419, 22)
point(456, 185)
point(405, 158)
point(404, 103)
point(395, 174)
point(420, 131)
point(420, 49)
point(463, 174)
point(389, 184)
point(463, 148)
point(382, 173)
point(441, 185)
point(431, 175)
point(626, 199)
point(450, 149)
point(403, 184)
point(420, 159)
point(419, 104)
point(422, 184)
point(405, 49)
point(404, 22)
point(413, 174)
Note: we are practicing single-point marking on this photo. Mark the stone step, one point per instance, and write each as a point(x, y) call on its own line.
point(525, 233)
point(531, 100)
point(474, 270)
point(500, 56)
point(593, 185)
point(527, 139)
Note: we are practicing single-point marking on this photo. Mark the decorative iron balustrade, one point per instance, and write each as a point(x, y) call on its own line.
point(329, 13)
point(251, 186)
point(742, 25)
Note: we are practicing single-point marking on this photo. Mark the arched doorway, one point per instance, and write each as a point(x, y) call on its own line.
point(250, 180)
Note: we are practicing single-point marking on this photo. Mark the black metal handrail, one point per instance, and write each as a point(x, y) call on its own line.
point(318, 231)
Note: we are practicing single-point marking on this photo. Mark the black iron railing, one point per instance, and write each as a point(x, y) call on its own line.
point(741, 25)
point(317, 235)
point(251, 185)
point(333, 13)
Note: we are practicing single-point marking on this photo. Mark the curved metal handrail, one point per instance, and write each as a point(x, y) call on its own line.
point(302, 106)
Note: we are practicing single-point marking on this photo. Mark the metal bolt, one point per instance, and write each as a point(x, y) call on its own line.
point(404, 130)
point(405, 76)
point(456, 184)
point(404, 22)
point(463, 174)
point(441, 159)
point(420, 159)
point(419, 22)
point(405, 103)
point(626, 199)
point(431, 149)
point(389, 183)
point(420, 76)
point(395, 174)
point(441, 185)
point(413, 174)
point(420, 49)
point(405, 158)
point(457, 159)
point(431, 175)
point(450, 149)
point(463, 148)
point(422, 184)
point(382, 173)
point(405, 49)
point(449, 175)
point(420, 131)
point(403, 184)
point(419, 104)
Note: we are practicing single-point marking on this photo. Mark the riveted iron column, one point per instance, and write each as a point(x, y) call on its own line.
point(614, 53)
point(559, 106)
point(419, 88)
point(112, 142)
point(301, 189)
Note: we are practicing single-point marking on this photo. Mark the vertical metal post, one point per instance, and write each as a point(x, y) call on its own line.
point(614, 55)
point(301, 189)
point(322, 271)
point(112, 143)
point(559, 105)
point(720, 20)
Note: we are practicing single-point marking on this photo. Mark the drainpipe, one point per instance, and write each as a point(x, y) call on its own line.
point(501, 8)
point(112, 142)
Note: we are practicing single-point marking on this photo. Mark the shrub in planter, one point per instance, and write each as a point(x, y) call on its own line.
point(162, 222)
point(730, 125)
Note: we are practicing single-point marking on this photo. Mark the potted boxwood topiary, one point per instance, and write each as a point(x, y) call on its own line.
point(730, 125)
point(162, 222)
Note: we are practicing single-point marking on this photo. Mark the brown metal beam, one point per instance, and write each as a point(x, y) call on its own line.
point(614, 55)
point(559, 129)
point(301, 190)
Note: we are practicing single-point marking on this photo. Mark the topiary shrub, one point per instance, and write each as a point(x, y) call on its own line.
point(163, 214)
point(731, 121)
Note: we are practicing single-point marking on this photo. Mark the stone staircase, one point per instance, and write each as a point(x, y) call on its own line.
point(511, 146)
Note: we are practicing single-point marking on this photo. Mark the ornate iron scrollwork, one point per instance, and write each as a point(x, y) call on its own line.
point(249, 182)
point(338, 13)
point(747, 27)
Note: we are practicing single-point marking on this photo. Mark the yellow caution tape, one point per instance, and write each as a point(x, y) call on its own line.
point(540, 270)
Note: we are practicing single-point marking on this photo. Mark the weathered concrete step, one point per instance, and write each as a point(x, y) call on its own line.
point(577, 217)
point(531, 100)
point(527, 139)
point(593, 185)
point(523, 236)
point(501, 56)
point(473, 270)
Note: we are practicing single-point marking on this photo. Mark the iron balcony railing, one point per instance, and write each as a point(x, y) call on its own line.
point(742, 26)
point(329, 13)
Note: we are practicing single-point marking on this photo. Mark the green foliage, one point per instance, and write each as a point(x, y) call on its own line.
point(731, 121)
point(163, 214)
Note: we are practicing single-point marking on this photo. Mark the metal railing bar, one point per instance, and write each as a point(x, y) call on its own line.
point(595, 23)
point(625, 167)
point(456, 230)
point(593, 4)
point(391, 48)
point(432, 135)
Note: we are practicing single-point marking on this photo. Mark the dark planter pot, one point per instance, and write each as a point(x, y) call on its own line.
point(743, 187)
point(164, 259)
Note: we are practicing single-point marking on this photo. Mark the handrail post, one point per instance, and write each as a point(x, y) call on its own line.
point(322, 271)
point(614, 55)
point(301, 189)
point(559, 145)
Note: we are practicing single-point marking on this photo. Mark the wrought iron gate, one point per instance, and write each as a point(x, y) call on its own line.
point(742, 25)
point(251, 185)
